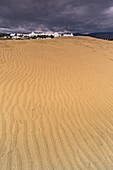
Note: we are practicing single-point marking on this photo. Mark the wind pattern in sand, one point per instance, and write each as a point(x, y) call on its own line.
point(56, 104)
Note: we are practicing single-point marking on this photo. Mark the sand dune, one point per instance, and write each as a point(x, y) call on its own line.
point(56, 104)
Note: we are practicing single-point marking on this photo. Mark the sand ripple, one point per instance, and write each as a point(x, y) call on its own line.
point(56, 104)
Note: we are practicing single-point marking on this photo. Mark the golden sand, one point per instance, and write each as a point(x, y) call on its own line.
point(56, 104)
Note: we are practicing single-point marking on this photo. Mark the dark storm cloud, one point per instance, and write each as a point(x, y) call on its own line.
point(56, 15)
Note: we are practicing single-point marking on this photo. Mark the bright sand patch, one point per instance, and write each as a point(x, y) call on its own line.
point(56, 104)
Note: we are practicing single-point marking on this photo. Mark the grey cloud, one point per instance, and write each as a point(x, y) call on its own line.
point(57, 15)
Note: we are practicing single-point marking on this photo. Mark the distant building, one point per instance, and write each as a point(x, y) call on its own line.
point(16, 37)
point(68, 35)
point(12, 34)
point(56, 34)
point(32, 34)
point(36, 35)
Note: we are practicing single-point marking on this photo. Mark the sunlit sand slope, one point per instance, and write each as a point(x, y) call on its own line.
point(56, 104)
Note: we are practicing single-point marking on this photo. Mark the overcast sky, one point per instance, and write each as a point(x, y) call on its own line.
point(56, 15)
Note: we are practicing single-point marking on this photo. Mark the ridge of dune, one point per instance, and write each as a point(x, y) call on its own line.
point(56, 104)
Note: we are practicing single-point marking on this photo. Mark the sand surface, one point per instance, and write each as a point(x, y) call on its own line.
point(56, 104)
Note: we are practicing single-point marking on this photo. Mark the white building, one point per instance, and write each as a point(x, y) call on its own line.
point(16, 37)
point(36, 34)
point(56, 34)
point(12, 34)
point(67, 34)
point(32, 34)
